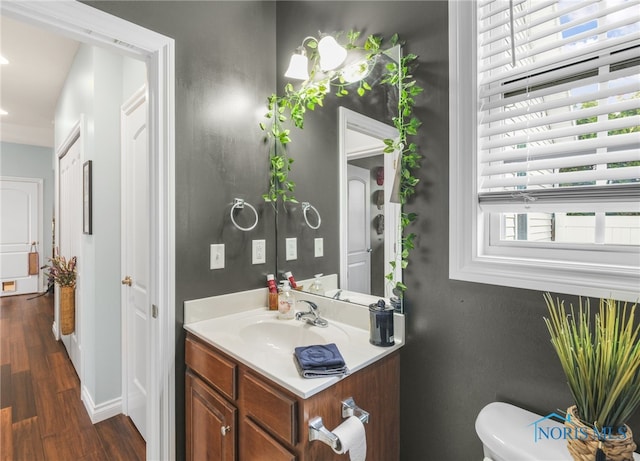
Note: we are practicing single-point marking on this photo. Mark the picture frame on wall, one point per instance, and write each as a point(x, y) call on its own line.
point(87, 212)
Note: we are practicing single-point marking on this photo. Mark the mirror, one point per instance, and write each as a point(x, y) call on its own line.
point(342, 171)
point(369, 220)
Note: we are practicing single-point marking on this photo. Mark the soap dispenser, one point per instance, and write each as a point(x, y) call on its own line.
point(316, 287)
point(285, 302)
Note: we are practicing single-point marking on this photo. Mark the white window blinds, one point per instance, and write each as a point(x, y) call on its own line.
point(559, 93)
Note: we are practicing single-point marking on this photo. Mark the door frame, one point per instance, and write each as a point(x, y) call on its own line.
point(90, 25)
point(349, 119)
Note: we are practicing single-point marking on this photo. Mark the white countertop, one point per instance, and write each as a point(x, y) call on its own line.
point(238, 334)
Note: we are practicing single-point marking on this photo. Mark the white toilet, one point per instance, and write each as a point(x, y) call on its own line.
point(508, 434)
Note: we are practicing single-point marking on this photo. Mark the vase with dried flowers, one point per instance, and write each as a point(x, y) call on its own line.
point(600, 356)
point(63, 273)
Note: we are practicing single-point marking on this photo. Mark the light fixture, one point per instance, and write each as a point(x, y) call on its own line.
point(331, 53)
point(298, 66)
point(3, 60)
point(3, 112)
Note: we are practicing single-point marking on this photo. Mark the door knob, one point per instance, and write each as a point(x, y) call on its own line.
point(224, 430)
point(127, 280)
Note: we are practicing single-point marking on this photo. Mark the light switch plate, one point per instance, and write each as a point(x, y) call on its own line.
point(258, 252)
point(217, 256)
point(318, 245)
point(291, 248)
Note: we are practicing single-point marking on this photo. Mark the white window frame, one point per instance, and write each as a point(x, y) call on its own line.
point(573, 269)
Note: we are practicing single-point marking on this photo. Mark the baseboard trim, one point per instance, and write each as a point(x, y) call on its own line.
point(102, 411)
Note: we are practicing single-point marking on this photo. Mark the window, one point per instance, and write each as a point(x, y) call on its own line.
point(545, 145)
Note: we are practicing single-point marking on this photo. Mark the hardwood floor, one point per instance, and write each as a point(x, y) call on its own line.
point(41, 415)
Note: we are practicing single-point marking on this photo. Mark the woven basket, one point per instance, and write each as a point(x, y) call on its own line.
point(67, 310)
point(584, 449)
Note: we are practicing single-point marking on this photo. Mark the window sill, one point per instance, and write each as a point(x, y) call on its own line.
point(559, 277)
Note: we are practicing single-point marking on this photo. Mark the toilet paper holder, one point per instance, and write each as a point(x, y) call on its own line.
point(317, 431)
point(349, 408)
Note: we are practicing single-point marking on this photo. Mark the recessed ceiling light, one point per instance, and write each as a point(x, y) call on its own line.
point(3, 112)
point(3, 60)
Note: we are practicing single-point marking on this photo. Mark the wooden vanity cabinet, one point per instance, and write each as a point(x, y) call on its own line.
point(266, 422)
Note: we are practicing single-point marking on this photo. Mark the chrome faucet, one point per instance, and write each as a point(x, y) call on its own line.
point(337, 296)
point(312, 316)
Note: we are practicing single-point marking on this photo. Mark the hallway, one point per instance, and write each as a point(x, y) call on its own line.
point(41, 415)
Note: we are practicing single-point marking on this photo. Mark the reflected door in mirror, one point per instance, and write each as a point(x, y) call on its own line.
point(359, 235)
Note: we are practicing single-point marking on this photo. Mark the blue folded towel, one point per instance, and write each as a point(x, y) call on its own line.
point(319, 361)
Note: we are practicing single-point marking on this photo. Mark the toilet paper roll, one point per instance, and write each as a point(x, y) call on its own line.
point(352, 439)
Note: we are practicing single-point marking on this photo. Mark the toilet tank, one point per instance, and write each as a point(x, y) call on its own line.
point(507, 433)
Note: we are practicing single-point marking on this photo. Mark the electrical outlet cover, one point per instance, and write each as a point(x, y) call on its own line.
point(291, 248)
point(217, 256)
point(318, 247)
point(258, 252)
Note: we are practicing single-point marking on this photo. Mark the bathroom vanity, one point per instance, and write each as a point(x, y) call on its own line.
point(245, 400)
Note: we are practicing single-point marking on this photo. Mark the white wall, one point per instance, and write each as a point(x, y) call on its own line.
point(27, 161)
point(96, 86)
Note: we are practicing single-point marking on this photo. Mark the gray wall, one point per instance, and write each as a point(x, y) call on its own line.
point(25, 161)
point(468, 344)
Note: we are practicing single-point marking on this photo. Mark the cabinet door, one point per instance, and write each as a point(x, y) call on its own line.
point(210, 423)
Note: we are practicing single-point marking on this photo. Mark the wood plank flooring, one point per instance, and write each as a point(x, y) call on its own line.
point(41, 414)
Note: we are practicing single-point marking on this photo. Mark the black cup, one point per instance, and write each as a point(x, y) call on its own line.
point(381, 324)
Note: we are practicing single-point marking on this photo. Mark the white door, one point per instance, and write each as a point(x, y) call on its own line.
point(358, 230)
point(20, 218)
point(135, 258)
point(70, 233)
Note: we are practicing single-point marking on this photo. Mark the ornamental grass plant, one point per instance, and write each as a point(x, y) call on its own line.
point(600, 357)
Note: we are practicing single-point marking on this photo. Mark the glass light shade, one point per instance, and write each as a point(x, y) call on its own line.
point(298, 67)
point(331, 53)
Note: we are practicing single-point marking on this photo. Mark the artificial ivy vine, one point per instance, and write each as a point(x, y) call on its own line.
point(295, 102)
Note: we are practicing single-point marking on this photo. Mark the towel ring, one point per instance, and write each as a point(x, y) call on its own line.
point(240, 204)
point(306, 206)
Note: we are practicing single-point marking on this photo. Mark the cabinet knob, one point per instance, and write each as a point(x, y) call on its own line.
point(224, 430)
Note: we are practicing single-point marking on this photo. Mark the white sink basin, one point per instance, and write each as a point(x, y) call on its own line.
point(285, 336)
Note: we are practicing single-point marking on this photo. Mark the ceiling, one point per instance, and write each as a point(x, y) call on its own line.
point(31, 83)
